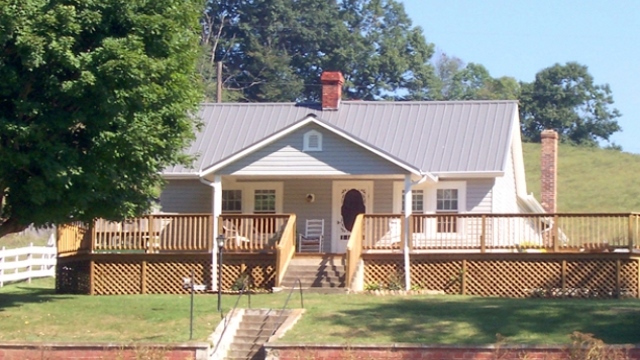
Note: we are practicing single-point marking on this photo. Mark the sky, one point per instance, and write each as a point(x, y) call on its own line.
point(518, 38)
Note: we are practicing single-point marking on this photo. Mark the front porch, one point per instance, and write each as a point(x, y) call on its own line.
point(483, 254)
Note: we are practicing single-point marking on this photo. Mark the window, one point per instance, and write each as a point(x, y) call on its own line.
point(231, 201)
point(264, 201)
point(312, 141)
point(417, 206)
point(447, 203)
point(417, 201)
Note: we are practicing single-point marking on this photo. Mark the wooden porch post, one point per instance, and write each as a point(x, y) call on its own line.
point(92, 278)
point(618, 268)
point(630, 233)
point(554, 237)
point(483, 235)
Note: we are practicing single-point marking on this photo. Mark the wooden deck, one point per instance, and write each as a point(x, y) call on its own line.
point(482, 254)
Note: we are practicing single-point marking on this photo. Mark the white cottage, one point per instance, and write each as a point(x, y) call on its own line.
point(327, 162)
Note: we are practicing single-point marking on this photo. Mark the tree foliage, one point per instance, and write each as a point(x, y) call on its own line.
point(275, 50)
point(456, 80)
point(564, 98)
point(95, 97)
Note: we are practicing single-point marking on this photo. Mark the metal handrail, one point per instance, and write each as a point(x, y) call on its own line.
point(287, 303)
point(226, 323)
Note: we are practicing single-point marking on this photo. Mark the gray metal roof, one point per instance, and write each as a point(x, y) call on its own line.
point(433, 136)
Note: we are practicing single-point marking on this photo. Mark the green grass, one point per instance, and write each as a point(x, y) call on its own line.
point(32, 312)
point(589, 179)
point(13, 241)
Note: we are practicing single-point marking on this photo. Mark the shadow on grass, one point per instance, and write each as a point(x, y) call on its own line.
point(478, 320)
point(20, 294)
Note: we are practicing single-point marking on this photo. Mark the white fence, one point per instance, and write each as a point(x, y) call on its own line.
point(27, 263)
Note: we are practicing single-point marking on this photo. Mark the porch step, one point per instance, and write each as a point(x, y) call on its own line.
point(316, 272)
point(256, 326)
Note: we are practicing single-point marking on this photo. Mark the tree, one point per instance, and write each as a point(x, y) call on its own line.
point(564, 98)
point(275, 50)
point(95, 97)
point(456, 80)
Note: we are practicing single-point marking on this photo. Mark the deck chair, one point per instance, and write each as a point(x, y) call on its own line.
point(392, 236)
point(311, 240)
point(233, 234)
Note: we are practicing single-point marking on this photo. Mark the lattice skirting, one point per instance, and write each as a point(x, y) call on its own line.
point(119, 274)
point(513, 275)
point(507, 275)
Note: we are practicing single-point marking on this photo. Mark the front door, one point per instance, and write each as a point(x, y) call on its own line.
point(350, 198)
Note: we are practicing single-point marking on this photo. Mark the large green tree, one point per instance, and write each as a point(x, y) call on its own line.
point(275, 50)
point(95, 97)
point(565, 98)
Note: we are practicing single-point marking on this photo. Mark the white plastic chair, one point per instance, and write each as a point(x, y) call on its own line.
point(311, 240)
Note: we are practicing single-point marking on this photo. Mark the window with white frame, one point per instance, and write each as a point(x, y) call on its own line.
point(417, 201)
point(447, 203)
point(264, 201)
point(417, 206)
point(312, 141)
point(231, 201)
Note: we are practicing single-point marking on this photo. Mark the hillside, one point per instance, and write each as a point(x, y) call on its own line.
point(589, 180)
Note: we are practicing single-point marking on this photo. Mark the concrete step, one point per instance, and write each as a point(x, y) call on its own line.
point(313, 283)
point(318, 260)
point(322, 290)
point(244, 355)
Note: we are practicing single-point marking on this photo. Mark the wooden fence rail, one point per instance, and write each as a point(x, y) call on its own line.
point(27, 263)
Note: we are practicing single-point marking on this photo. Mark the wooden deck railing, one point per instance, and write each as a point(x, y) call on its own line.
point(285, 249)
point(354, 249)
point(252, 233)
point(73, 238)
point(154, 233)
point(173, 233)
point(505, 232)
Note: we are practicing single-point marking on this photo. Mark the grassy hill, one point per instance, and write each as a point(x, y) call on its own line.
point(589, 180)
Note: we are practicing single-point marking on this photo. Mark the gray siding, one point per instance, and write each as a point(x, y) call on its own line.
point(186, 196)
point(479, 195)
point(383, 196)
point(295, 192)
point(285, 156)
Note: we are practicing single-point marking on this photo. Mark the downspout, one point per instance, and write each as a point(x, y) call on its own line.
point(408, 210)
point(216, 210)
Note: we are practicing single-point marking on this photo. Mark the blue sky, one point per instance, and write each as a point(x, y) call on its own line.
point(519, 38)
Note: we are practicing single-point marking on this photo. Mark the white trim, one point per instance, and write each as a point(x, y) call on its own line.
point(306, 147)
point(308, 120)
point(468, 174)
point(180, 176)
point(518, 162)
point(408, 207)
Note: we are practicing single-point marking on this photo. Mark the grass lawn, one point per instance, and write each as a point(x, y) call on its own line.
point(32, 312)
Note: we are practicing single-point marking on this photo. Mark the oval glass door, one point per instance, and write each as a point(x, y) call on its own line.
point(352, 206)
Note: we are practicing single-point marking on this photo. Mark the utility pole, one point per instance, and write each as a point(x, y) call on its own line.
point(219, 81)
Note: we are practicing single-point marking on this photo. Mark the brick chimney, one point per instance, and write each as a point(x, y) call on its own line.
point(331, 89)
point(549, 167)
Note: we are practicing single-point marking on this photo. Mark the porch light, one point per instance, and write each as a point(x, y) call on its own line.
point(220, 240)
